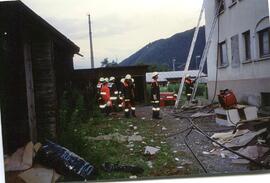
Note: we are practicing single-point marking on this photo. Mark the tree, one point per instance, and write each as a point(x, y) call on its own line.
point(105, 62)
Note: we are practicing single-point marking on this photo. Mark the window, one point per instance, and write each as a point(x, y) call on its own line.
point(264, 42)
point(235, 51)
point(223, 57)
point(247, 45)
point(221, 5)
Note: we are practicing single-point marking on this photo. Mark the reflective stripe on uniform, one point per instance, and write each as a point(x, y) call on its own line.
point(155, 101)
point(116, 92)
point(155, 109)
point(120, 105)
point(133, 108)
point(127, 100)
point(113, 98)
point(102, 106)
point(102, 93)
point(188, 94)
point(121, 98)
point(126, 110)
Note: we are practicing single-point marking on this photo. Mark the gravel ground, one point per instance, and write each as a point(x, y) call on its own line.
point(214, 164)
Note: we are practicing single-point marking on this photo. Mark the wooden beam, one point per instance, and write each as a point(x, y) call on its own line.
point(30, 92)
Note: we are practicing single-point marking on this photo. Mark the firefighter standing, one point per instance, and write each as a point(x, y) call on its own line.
point(106, 104)
point(121, 94)
point(99, 85)
point(129, 96)
point(189, 84)
point(114, 93)
point(155, 96)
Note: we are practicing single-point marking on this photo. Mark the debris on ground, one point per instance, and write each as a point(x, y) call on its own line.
point(41, 175)
point(201, 114)
point(151, 150)
point(110, 167)
point(117, 137)
point(63, 161)
point(244, 139)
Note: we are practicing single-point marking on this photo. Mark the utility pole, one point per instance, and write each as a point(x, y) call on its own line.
point(174, 60)
point(197, 57)
point(91, 43)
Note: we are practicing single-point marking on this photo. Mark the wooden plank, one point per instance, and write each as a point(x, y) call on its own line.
point(30, 92)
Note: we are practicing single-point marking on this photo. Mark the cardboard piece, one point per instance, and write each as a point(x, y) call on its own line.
point(41, 175)
point(244, 139)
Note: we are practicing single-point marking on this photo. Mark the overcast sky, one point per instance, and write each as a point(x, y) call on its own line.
point(120, 27)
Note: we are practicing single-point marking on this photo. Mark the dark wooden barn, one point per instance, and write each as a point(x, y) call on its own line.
point(86, 78)
point(36, 63)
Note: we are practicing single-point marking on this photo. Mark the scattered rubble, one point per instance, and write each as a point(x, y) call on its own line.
point(151, 150)
point(117, 138)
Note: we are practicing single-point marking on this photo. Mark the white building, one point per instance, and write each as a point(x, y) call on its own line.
point(175, 76)
point(241, 47)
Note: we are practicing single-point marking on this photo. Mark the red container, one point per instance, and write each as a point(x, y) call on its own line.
point(167, 99)
point(227, 99)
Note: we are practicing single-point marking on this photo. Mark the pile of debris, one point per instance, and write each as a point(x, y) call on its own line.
point(46, 163)
point(249, 138)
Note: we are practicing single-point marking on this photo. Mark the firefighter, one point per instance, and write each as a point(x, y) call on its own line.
point(106, 104)
point(99, 85)
point(189, 84)
point(129, 96)
point(155, 96)
point(121, 94)
point(114, 93)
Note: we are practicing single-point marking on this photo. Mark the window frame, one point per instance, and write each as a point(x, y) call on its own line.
point(247, 57)
point(221, 63)
point(261, 45)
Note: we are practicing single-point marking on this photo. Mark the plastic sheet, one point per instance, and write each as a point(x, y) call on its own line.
point(63, 161)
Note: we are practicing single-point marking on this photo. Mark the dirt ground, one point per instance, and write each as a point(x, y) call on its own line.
point(214, 164)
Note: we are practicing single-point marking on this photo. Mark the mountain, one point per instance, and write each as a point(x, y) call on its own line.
point(163, 51)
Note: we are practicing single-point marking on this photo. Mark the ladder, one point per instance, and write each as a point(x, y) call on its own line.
point(189, 57)
point(206, 50)
point(203, 59)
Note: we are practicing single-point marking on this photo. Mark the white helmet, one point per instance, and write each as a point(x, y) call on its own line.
point(128, 76)
point(101, 79)
point(132, 80)
point(154, 74)
point(122, 80)
point(187, 76)
point(106, 80)
point(112, 78)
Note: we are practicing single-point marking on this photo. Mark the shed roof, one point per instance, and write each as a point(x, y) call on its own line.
point(25, 11)
point(164, 76)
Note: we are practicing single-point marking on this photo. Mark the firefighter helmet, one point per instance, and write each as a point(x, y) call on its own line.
point(122, 80)
point(154, 74)
point(128, 76)
point(112, 78)
point(187, 76)
point(106, 80)
point(101, 79)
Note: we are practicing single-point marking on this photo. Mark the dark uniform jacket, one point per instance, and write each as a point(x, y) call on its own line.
point(189, 84)
point(128, 90)
point(155, 90)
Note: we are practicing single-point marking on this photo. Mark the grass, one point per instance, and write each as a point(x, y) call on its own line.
point(98, 152)
point(77, 124)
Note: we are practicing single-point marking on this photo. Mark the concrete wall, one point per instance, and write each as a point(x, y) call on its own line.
point(247, 77)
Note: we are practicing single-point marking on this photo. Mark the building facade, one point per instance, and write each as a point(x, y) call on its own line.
point(239, 55)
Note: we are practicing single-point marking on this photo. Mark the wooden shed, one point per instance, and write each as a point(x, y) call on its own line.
point(89, 77)
point(36, 65)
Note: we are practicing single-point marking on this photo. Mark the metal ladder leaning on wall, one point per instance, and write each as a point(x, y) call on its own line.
point(205, 53)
